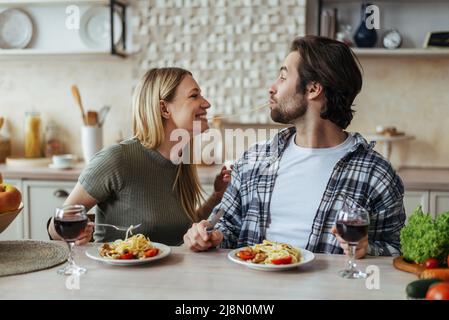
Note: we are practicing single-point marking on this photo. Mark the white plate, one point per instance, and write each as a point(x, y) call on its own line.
point(94, 254)
point(95, 28)
point(16, 29)
point(306, 257)
point(60, 166)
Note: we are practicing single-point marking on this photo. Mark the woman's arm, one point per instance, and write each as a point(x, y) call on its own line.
point(220, 184)
point(77, 196)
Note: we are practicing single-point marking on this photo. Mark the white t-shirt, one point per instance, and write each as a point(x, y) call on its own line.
point(301, 180)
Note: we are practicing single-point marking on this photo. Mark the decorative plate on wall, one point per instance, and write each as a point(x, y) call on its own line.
point(16, 29)
point(95, 28)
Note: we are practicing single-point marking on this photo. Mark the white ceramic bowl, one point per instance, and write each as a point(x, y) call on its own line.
point(7, 217)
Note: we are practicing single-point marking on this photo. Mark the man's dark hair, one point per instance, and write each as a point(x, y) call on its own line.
point(332, 64)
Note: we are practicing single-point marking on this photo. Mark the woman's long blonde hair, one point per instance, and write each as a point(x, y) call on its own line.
point(160, 84)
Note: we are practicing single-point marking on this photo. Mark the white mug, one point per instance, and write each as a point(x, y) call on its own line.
point(91, 141)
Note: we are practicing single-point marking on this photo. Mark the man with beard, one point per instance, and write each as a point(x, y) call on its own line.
point(290, 188)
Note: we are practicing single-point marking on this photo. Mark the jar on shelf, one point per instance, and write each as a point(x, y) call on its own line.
point(33, 145)
point(53, 140)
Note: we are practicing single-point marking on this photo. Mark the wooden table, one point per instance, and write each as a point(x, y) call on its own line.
point(207, 275)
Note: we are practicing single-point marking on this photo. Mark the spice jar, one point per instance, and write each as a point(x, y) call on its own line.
point(33, 135)
point(53, 140)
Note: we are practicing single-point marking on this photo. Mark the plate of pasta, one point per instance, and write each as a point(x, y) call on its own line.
point(134, 250)
point(271, 256)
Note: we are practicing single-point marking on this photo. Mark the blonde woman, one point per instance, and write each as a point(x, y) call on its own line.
point(135, 181)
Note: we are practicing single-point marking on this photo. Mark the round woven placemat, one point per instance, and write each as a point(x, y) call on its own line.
point(24, 256)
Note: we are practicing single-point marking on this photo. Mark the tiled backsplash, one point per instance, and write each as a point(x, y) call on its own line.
point(233, 48)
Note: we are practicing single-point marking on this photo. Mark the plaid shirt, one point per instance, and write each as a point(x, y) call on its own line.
point(362, 175)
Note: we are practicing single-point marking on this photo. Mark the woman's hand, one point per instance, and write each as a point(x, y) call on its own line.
point(221, 181)
point(86, 235)
point(362, 245)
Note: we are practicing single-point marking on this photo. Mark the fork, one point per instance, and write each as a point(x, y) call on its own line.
point(119, 228)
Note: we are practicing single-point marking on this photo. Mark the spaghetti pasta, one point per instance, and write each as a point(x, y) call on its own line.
point(270, 252)
point(134, 247)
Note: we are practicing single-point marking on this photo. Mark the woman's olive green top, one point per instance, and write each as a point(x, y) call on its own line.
point(133, 185)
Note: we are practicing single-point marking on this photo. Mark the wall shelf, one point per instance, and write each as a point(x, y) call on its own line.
point(16, 3)
point(412, 18)
point(51, 40)
point(14, 54)
point(411, 52)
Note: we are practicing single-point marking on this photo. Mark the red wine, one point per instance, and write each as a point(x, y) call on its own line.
point(70, 228)
point(352, 231)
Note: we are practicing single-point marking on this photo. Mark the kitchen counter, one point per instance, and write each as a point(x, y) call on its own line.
point(413, 178)
point(206, 173)
point(208, 275)
point(433, 179)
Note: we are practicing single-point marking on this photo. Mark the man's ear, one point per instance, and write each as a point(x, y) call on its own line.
point(314, 90)
point(164, 110)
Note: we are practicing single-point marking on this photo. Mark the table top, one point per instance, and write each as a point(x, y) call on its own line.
point(208, 275)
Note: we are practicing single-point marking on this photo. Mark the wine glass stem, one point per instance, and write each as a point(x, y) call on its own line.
point(351, 257)
point(70, 260)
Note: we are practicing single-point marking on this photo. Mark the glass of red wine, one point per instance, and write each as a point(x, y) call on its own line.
point(352, 224)
point(70, 222)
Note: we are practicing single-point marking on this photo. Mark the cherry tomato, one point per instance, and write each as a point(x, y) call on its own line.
point(246, 254)
point(151, 252)
point(439, 291)
point(286, 260)
point(127, 256)
point(431, 263)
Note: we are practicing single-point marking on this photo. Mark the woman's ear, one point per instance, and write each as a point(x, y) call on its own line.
point(164, 110)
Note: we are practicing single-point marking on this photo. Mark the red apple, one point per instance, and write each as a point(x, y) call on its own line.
point(10, 198)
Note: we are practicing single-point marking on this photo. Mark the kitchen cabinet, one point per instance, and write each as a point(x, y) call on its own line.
point(439, 202)
point(434, 202)
point(414, 198)
point(41, 200)
point(15, 230)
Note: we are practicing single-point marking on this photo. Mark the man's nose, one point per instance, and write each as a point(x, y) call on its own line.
point(272, 90)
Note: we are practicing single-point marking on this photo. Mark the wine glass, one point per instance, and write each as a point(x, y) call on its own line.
point(352, 224)
point(70, 222)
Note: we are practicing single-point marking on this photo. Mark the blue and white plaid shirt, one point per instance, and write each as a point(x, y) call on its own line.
point(362, 175)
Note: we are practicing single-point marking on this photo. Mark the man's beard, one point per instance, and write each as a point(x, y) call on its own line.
point(289, 109)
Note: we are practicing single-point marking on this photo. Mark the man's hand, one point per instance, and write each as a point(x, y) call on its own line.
point(362, 246)
point(197, 239)
point(86, 236)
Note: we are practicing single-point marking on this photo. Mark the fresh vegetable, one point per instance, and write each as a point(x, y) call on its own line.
point(424, 237)
point(246, 254)
point(431, 263)
point(439, 273)
point(151, 252)
point(127, 256)
point(286, 260)
point(439, 291)
point(418, 289)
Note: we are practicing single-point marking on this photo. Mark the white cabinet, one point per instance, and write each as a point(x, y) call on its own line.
point(414, 198)
point(41, 200)
point(434, 202)
point(439, 202)
point(15, 230)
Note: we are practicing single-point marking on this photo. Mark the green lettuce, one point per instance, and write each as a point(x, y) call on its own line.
point(423, 237)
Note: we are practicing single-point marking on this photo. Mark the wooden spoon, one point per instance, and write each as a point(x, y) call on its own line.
point(2, 120)
point(92, 118)
point(77, 96)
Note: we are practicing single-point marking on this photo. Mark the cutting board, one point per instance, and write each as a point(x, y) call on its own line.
point(28, 162)
point(401, 264)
